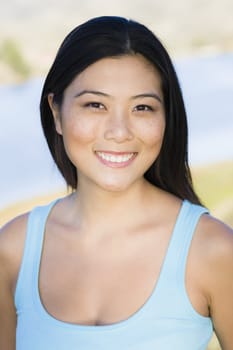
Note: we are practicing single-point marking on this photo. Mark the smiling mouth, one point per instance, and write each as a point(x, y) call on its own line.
point(116, 158)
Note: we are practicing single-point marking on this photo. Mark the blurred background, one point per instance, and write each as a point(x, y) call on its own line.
point(199, 37)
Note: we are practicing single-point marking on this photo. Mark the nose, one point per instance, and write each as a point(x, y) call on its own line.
point(118, 127)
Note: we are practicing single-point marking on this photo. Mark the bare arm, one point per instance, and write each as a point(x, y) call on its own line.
point(11, 248)
point(220, 281)
point(7, 312)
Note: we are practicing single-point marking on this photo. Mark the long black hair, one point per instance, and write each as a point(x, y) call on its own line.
point(110, 36)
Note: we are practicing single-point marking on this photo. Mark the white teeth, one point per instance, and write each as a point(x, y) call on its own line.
point(115, 158)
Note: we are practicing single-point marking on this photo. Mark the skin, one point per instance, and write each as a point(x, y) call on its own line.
point(112, 121)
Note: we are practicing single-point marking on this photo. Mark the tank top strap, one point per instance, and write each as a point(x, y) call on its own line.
point(174, 266)
point(185, 233)
point(32, 254)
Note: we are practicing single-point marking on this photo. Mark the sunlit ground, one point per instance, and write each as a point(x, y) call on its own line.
point(214, 185)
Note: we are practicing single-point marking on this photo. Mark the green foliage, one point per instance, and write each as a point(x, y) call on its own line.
point(11, 55)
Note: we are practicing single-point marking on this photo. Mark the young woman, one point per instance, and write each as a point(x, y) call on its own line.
point(130, 259)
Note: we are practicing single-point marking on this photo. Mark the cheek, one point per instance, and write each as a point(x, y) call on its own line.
point(152, 132)
point(78, 130)
point(77, 136)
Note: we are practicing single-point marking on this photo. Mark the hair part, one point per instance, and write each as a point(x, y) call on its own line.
point(110, 36)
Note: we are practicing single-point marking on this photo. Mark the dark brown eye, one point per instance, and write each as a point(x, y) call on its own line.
point(143, 108)
point(94, 105)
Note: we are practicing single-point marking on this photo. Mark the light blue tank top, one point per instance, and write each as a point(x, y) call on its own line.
point(166, 321)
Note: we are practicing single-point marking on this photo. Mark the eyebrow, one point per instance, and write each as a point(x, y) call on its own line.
point(153, 95)
point(93, 92)
point(100, 93)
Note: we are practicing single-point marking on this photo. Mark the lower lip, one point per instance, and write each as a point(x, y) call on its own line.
point(116, 164)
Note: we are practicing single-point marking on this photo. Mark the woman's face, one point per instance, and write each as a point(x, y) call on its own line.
point(112, 120)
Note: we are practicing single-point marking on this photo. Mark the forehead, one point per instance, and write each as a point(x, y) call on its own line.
point(129, 70)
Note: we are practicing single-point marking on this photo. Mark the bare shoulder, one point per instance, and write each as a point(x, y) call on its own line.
point(214, 249)
point(216, 239)
point(13, 230)
point(12, 238)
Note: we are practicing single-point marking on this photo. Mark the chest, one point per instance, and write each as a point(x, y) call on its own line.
point(102, 284)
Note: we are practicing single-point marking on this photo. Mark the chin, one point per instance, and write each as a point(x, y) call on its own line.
point(116, 186)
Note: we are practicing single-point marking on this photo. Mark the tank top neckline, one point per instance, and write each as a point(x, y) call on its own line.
point(44, 314)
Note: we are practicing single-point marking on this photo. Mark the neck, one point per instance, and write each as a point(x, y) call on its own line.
point(97, 209)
